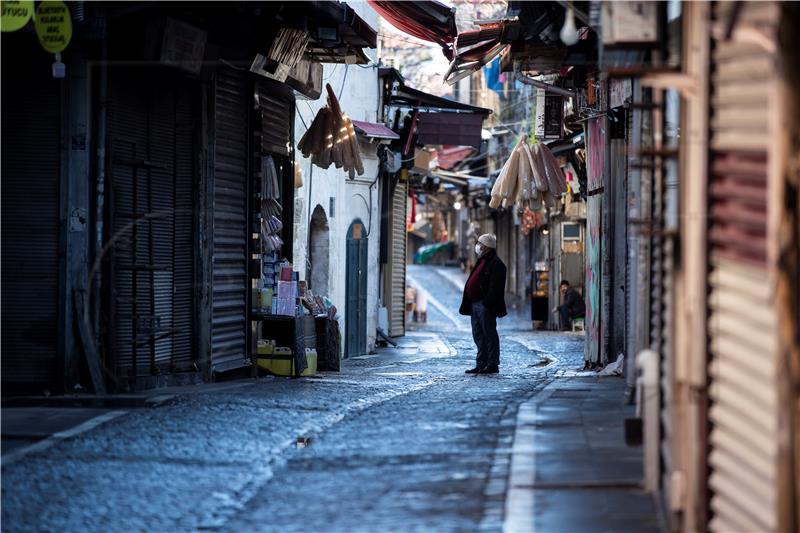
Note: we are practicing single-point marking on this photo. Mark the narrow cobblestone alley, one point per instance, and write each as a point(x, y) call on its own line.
point(399, 440)
point(239, 238)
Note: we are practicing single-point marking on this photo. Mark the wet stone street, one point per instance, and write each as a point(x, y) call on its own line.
point(401, 440)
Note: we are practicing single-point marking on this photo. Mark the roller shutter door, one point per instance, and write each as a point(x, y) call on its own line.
point(397, 265)
point(229, 300)
point(151, 218)
point(742, 322)
point(276, 116)
point(31, 123)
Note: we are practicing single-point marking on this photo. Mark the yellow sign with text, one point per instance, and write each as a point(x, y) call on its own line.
point(53, 25)
point(14, 15)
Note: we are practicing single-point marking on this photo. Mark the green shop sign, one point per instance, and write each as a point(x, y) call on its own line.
point(15, 14)
point(53, 26)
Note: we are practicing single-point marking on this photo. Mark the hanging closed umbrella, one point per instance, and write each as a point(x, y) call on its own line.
point(508, 189)
point(525, 177)
point(506, 183)
point(539, 176)
point(555, 176)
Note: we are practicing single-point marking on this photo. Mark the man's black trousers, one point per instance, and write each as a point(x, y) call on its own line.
point(484, 332)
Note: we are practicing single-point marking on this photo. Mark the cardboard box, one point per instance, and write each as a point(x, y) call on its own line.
point(285, 307)
point(422, 161)
point(287, 290)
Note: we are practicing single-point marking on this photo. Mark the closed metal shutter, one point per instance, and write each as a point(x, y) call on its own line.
point(229, 299)
point(276, 116)
point(662, 179)
point(397, 264)
point(151, 215)
point(595, 131)
point(742, 323)
point(31, 123)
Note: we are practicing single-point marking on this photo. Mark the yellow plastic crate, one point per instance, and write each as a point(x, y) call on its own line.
point(282, 363)
point(278, 366)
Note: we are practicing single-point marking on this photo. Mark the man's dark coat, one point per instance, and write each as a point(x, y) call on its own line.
point(493, 286)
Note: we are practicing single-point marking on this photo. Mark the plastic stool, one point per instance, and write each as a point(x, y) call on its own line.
point(578, 324)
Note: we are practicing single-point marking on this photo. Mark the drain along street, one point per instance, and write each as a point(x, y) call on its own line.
point(370, 266)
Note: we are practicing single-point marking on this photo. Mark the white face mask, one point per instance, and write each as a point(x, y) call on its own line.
point(477, 249)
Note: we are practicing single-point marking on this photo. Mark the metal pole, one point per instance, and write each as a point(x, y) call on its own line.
point(546, 86)
point(649, 407)
point(102, 116)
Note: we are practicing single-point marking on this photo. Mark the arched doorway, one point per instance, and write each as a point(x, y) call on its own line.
point(356, 290)
point(319, 252)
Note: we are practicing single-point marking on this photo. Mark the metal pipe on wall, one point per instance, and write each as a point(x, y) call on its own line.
point(546, 86)
point(636, 260)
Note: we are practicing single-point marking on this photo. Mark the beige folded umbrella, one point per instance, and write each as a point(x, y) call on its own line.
point(525, 177)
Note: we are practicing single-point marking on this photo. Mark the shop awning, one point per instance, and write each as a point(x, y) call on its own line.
point(424, 19)
point(373, 130)
point(476, 48)
point(403, 95)
point(436, 120)
point(538, 46)
point(450, 156)
point(461, 179)
point(338, 34)
point(462, 129)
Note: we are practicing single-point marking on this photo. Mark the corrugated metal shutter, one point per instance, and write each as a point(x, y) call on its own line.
point(151, 210)
point(742, 322)
point(663, 179)
point(596, 138)
point(229, 300)
point(31, 122)
point(397, 265)
point(276, 117)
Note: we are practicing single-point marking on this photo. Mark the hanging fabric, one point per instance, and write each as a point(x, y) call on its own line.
point(331, 138)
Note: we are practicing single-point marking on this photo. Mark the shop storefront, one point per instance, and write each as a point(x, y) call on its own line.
point(133, 188)
point(150, 222)
point(32, 174)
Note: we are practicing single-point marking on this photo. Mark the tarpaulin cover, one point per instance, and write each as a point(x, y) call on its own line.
point(459, 129)
point(450, 156)
point(493, 75)
point(427, 20)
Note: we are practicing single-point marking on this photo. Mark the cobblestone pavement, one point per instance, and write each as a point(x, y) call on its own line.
point(401, 440)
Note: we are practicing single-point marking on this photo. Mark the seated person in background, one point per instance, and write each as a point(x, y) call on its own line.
point(572, 307)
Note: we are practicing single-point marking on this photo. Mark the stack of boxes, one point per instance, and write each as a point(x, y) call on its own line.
point(270, 274)
point(286, 303)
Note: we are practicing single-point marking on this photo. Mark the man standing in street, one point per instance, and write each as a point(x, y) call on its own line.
point(572, 307)
point(484, 301)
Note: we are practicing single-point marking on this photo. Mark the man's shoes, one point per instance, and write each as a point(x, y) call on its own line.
point(475, 370)
point(489, 370)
